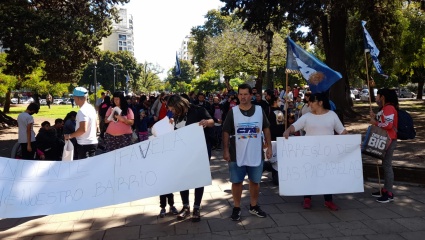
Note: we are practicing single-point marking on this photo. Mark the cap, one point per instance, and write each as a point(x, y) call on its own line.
point(80, 92)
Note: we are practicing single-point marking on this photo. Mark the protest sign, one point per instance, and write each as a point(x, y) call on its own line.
point(157, 166)
point(312, 165)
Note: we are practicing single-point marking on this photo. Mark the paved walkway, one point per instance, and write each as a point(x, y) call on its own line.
point(360, 217)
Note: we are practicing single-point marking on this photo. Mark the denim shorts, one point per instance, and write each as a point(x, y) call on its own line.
point(237, 174)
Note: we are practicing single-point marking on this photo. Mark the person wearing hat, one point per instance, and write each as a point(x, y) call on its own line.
point(26, 134)
point(85, 129)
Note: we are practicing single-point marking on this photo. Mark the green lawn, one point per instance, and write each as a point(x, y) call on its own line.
point(55, 111)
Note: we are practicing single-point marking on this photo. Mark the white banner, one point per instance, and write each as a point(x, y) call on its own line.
point(320, 165)
point(169, 163)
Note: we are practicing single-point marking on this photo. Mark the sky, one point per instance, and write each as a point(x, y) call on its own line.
point(161, 25)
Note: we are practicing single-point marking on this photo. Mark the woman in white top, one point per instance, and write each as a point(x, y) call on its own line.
point(320, 121)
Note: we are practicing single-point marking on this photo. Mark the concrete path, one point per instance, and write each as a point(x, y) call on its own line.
point(359, 217)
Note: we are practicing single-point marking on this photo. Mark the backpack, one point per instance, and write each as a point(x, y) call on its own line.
point(405, 128)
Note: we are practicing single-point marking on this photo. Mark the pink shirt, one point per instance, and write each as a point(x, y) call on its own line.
point(119, 128)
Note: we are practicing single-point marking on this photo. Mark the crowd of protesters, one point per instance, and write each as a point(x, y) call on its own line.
point(117, 121)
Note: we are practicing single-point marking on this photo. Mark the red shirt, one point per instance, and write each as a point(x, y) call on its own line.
point(162, 111)
point(388, 119)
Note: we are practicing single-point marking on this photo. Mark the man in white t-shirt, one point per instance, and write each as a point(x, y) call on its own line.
point(85, 129)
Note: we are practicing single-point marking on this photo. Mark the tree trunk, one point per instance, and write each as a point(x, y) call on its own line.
point(227, 82)
point(259, 81)
point(336, 58)
point(420, 88)
point(6, 108)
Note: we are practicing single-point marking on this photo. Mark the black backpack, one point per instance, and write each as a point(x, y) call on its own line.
point(405, 128)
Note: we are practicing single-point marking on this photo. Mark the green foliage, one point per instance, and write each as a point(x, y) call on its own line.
point(213, 26)
point(188, 73)
point(7, 82)
point(149, 80)
point(235, 82)
point(207, 82)
point(237, 50)
point(123, 61)
point(331, 24)
point(62, 34)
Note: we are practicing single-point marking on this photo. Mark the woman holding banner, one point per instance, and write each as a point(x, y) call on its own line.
point(185, 114)
point(320, 121)
point(386, 118)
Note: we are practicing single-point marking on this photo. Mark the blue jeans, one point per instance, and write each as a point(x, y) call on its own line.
point(237, 174)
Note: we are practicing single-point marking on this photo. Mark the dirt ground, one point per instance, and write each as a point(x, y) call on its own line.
point(409, 153)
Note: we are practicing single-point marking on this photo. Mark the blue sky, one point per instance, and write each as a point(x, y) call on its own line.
point(161, 25)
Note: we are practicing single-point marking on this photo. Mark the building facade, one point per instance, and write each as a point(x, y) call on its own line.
point(183, 52)
point(122, 38)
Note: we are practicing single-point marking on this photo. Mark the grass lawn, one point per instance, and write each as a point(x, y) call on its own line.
point(410, 105)
point(55, 111)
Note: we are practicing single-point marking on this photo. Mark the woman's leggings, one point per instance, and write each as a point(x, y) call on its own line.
point(199, 192)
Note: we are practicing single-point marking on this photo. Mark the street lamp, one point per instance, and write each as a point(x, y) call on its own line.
point(269, 39)
point(95, 81)
point(114, 65)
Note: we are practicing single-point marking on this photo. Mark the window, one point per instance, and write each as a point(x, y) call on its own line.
point(122, 37)
point(120, 48)
point(119, 43)
point(124, 43)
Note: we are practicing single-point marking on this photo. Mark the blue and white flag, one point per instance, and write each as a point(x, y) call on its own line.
point(178, 70)
point(318, 75)
point(369, 46)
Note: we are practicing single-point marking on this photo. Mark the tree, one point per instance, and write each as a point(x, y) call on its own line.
point(123, 61)
point(7, 83)
point(213, 26)
point(327, 20)
point(188, 73)
point(149, 80)
point(237, 50)
point(411, 62)
point(62, 34)
point(207, 82)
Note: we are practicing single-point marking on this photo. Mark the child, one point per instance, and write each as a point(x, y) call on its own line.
point(142, 126)
point(26, 134)
point(170, 196)
point(291, 120)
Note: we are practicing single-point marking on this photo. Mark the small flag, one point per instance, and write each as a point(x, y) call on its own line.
point(318, 75)
point(369, 46)
point(178, 70)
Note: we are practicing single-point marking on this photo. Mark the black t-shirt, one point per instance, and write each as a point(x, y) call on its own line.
point(277, 122)
point(196, 114)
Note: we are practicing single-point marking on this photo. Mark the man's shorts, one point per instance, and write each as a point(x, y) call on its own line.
point(237, 174)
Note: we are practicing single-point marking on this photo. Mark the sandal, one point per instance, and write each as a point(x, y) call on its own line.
point(196, 215)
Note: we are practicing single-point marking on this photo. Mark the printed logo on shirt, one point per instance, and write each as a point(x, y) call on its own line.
point(247, 130)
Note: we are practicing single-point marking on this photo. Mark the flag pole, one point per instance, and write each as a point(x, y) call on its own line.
point(286, 101)
point(370, 108)
point(368, 82)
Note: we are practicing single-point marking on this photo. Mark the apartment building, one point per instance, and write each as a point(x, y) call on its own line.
point(121, 38)
point(183, 52)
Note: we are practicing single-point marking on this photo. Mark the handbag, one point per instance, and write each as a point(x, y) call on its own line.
point(134, 136)
point(376, 142)
point(68, 151)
